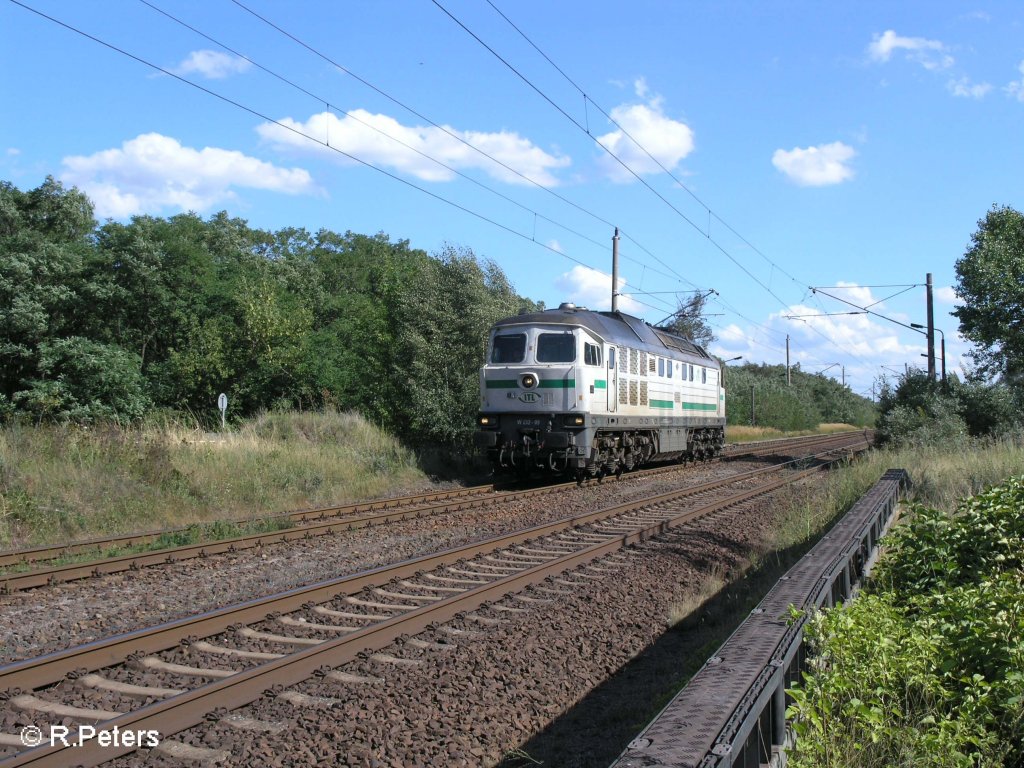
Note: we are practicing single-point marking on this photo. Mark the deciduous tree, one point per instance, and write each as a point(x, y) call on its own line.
point(990, 282)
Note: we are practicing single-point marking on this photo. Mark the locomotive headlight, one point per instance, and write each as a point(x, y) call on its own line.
point(487, 421)
point(575, 421)
point(528, 380)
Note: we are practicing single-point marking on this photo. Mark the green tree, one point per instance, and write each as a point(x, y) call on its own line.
point(44, 235)
point(442, 338)
point(990, 281)
point(83, 380)
point(689, 321)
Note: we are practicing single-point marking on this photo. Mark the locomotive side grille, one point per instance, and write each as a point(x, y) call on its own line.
point(634, 362)
point(643, 393)
point(633, 391)
point(643, 363)
point(623, 392)
point(624, 361)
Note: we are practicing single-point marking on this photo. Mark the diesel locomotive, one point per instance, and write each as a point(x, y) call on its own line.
point(588, 393)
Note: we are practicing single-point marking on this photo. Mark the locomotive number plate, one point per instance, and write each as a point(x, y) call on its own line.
point(528, 422)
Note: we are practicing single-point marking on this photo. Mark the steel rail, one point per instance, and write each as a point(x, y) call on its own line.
point(480, 496)
point(14, 557)
point(185, 710)
point(50, 668)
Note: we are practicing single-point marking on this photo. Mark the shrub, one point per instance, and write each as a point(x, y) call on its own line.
point(927, 668)
point(86, 381)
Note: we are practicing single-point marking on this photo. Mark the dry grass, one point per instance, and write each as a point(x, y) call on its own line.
point(941, 478)
point(743, 434)
point(687, 611)
point(61, 483)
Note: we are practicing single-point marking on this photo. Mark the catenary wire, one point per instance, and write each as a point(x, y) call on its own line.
point(442, 128)
point(586, 130)
point(320, 99)
point(314, 139)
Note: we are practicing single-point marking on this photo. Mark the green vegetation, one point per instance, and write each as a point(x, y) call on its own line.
point(926, 667)
point(923, 412)
point(63, 482)
point(118, 321)
point(990, 281)
point(804, 404)
point(740, 433)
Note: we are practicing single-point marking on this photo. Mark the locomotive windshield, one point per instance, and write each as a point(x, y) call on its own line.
point(509, 349)
point(556, 348)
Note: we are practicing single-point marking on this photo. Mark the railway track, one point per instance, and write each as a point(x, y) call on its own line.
point(306, 524)
point(194, 670)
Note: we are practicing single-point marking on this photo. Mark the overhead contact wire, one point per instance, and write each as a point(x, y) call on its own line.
point(315, 140)
point(440, 127)
point(706, 233)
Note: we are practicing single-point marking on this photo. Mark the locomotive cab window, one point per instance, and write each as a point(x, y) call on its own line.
point(611, 359)
point(591, 354)
point(556, 348)
point(510, 348)
point(704, 375)
point(661, 366)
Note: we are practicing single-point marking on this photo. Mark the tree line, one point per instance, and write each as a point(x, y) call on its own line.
point(989, 401)
point(117, 321)
point(807, 401)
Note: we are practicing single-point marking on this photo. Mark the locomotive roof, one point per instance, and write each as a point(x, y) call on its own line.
point(615, 327)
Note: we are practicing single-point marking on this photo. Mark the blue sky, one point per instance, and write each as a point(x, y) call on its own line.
point(795, 144)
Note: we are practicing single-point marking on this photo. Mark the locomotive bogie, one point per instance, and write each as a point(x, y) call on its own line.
point(595, 393)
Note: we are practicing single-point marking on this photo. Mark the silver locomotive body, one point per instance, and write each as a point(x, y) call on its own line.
point(594, 393)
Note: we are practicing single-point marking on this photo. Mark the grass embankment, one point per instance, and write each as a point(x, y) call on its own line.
point(926, 667)
point(940, 477)
point(738, 433)
point(66, 483)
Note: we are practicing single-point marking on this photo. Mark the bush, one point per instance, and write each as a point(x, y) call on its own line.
point(86, 381)
point(920, 411)
point(927, 668)
point(938, 423)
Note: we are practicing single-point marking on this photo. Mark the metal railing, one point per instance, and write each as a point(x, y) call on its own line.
point(732, 712)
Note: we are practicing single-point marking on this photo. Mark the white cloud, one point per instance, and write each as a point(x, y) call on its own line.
point(554, 245)
point(964, 88)
point(816, 166)
point(640, 87)
point(588, 287)
point(213, 65)
point(946, 295)
point(1016, 87)
point(13, 151)
point(855, 294)
point(667, 140)
point(930, 54)
point(152, 172)
point(366, 136)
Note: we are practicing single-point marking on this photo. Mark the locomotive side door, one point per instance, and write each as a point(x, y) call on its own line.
point(612, 381)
